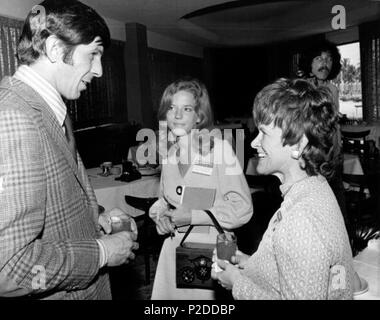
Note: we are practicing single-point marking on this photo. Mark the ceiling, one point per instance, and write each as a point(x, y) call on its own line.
point(236, 23)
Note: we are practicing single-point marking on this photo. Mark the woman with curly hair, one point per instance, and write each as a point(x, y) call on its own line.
point(305, 252)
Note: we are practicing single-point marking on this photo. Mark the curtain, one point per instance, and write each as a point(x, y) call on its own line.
point(104, 101)
point(166, 67)
point(10, 31)
point(369, 35)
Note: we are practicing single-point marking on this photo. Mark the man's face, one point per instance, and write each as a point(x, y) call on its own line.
point(321, 66)
point(73, 77)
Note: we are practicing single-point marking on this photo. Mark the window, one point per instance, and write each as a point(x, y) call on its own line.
point(349, 82)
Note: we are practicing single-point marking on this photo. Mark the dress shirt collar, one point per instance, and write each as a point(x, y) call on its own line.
point(286, 187)
point(44, 89)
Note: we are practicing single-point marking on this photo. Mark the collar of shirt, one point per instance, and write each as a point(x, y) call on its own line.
point(45, 90)
point(286, 187)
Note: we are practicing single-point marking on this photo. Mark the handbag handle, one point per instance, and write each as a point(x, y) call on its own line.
point(215, 222)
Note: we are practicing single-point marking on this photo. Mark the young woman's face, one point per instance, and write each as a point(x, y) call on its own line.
point(273, 156)
point(181, 115)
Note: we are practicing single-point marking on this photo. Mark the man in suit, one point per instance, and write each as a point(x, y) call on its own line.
point(51, 244)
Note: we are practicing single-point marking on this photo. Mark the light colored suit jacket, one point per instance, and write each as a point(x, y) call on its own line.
point(48, 210)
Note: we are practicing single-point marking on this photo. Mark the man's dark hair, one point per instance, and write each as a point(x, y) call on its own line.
point(70, 21)
point(315, 50)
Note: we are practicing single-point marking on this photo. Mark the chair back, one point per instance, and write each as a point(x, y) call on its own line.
point(361, 211)
point(150, 241)
point(357, 181)
point(355, 142)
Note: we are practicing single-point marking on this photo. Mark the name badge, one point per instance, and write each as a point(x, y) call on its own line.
point(205, 169)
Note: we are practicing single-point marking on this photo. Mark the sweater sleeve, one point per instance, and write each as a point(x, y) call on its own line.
point(233, 202)
point(245, 288)
point(302, 260)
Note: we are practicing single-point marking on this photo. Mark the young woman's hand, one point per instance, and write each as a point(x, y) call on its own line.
point(180, 216)
point(164, 225)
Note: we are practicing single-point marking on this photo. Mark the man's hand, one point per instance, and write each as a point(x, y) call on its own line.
point(105, 220)
point(119, 247)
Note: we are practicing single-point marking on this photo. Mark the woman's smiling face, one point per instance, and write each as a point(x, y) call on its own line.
point(274, 157)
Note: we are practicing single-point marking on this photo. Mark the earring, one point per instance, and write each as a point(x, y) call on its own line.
point(295, 154)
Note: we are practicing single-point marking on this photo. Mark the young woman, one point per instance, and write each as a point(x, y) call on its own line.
point(305, 252)
point(184, 108)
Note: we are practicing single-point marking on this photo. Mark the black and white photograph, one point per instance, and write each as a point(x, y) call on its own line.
point(189, 150)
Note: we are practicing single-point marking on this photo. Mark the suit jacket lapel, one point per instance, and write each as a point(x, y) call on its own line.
point(50, 123)
point(58, 135)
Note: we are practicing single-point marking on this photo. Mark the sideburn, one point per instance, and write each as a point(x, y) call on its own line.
point(68, 55)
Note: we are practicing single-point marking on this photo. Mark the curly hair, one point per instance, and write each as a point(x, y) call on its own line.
point(299, 108)
point(316, 50)
point(70, 21)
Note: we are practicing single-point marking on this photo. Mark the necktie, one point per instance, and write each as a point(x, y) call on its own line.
point(70, 136)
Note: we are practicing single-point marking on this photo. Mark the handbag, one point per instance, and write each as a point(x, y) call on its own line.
point(194, 261)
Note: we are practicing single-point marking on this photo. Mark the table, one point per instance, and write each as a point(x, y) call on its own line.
point(374, 133)
point(110, 192)
point(367, 265)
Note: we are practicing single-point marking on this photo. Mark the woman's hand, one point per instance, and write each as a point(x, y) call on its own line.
point(227, 277)
point(180, 216)
point(240, 259)
point(164, 225)
point(158, 208)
